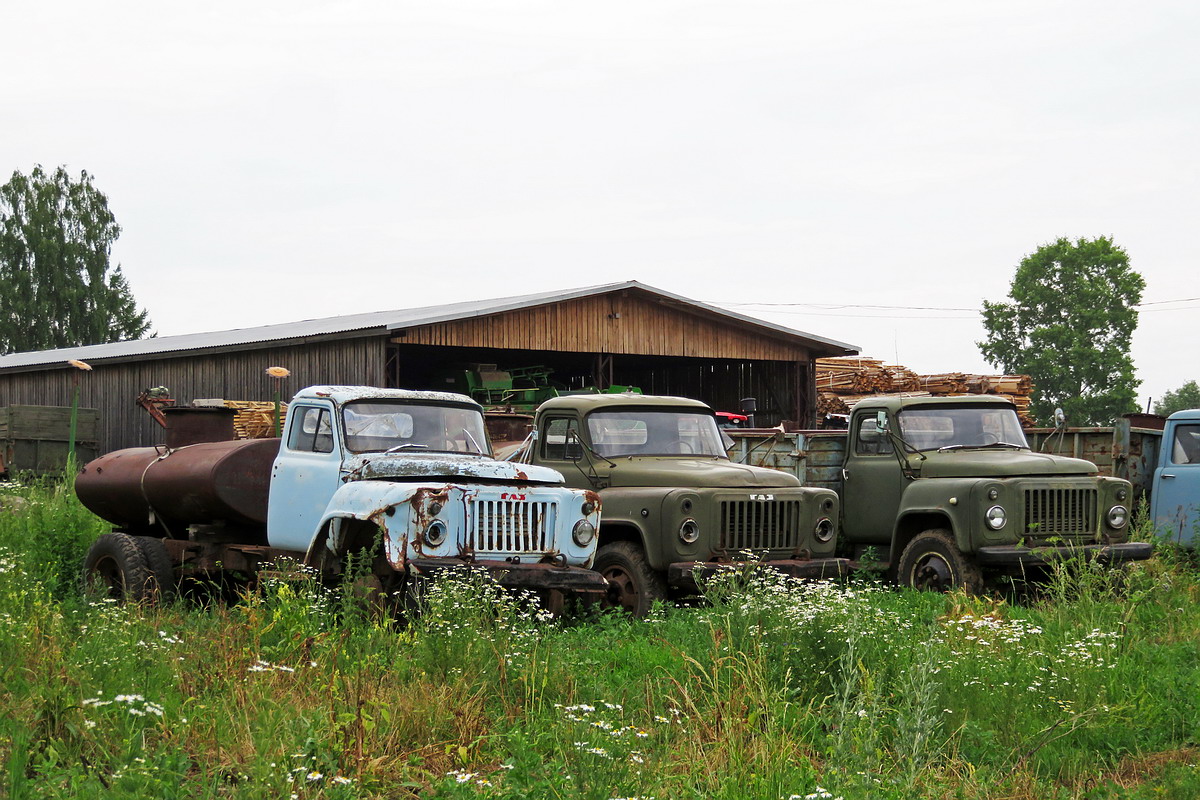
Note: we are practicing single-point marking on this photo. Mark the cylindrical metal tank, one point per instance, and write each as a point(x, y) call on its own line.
point(202, 484)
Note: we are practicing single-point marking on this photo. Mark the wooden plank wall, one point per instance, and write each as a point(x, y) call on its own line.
point(590, 325)
point(113, 387)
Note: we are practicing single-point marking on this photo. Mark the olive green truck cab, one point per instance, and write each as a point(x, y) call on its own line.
point(945, 490)
point(675, 507)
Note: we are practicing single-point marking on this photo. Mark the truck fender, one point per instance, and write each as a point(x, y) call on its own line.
point(917, 520)
point(622, 530)
point(381, 503)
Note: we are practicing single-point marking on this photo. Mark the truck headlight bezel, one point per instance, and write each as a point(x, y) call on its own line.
point(436, 533)
point(996, 517)
point(689, 531)
point(1117, 517)
point(824, 530)
point(583, 533)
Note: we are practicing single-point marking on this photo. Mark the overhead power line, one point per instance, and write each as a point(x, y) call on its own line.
point(868, 307)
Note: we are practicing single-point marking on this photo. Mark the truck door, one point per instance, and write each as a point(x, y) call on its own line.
point(1175, 497)
point(306, 474)
point(559, 448)
point(872, 484)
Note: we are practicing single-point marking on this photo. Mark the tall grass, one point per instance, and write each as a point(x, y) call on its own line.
point(774, 689)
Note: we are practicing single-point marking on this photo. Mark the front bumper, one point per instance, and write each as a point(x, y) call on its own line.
point(1015, 555)
point(685, 574)
point(520, 576)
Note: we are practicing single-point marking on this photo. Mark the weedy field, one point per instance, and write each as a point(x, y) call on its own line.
point(773, 689)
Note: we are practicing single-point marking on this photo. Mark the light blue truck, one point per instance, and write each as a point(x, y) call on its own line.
point(404, 479)
point(1175, 493)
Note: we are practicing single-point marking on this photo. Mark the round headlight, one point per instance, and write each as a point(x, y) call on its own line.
point(824, 530)
point(435, 534)
point(996, 517)
point(589, 508)
point(583, 533)
point(1118, 516)
point(689, 531)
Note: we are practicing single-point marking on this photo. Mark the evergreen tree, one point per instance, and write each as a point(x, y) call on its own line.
point(57, 287)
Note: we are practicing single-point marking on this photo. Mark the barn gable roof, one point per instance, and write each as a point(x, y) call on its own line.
point(384, 322)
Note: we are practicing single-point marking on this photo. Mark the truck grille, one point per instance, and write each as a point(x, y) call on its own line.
point(510, 526)
point(760, 524)
point(1049, 512)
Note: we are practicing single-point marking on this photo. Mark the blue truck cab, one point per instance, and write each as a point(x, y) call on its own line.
point(1175, 494)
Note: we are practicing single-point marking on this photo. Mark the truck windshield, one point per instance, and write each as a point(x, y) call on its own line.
point(374, 426)
point(655, 432)
point(954, 428)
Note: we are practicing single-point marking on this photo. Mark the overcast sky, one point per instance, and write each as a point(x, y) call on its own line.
point(278, 161)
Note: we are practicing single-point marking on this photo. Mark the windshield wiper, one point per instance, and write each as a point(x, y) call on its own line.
point(980, 446)
point(471, 439)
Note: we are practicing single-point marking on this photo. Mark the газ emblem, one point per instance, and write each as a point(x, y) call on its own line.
point(762, 497)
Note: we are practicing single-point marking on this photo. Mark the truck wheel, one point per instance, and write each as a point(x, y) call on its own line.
point(114, 567)
point(162, 571)
point(932, 562)
point(632, 585)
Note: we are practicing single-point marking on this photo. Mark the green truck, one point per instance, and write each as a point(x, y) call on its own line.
point(945, 491)
point(676, 508)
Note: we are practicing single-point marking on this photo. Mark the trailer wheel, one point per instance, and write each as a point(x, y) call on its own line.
point(115, 568)
point(632, 585)
point(932, 562)
point(161, 586)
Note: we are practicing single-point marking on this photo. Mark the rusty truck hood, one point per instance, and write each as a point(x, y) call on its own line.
point(998, 463)
point(691, 473)
point(422, 467)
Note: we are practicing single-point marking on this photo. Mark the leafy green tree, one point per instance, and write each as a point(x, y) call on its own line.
point(1186, 396)
point(57, 287)
point(1069, 327)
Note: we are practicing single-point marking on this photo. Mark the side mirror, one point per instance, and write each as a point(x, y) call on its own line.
point(881, 421)
point(1060, 419)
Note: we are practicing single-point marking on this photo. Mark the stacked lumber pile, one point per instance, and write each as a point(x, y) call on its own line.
point(842, 382)
point(254, 419)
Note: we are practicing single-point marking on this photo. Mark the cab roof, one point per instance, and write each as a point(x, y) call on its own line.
point(345, 394)
point(588, 403)
point(898, 402)
point(1190, 413)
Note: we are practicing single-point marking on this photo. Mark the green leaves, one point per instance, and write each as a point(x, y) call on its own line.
point(1186, 396)
point(1068, 326)
point(57, 286)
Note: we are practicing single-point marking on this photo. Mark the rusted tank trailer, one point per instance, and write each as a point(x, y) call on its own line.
point(150, 489)
point(405, 478)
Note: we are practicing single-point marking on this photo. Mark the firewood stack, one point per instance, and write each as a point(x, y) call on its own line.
point(842, 382)
point(255, 420)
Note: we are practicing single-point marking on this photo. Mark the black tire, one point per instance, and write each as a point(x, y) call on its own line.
point(933, 562)
point(162, 571)
point(114, 567)
point(632, 585)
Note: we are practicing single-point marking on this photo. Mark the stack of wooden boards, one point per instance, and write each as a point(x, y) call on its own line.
point(255, 420)
point(843, 381)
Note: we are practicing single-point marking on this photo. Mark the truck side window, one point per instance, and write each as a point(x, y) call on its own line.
point(870, 442)
point(561, 441)
point(311, 431)
point(1186, 448)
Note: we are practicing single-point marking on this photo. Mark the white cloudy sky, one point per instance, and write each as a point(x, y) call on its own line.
point(274, 161)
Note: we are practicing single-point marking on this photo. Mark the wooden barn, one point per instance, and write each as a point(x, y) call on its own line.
point(616, 334)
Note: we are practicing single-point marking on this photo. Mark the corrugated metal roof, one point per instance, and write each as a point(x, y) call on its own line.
point(380, 322)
